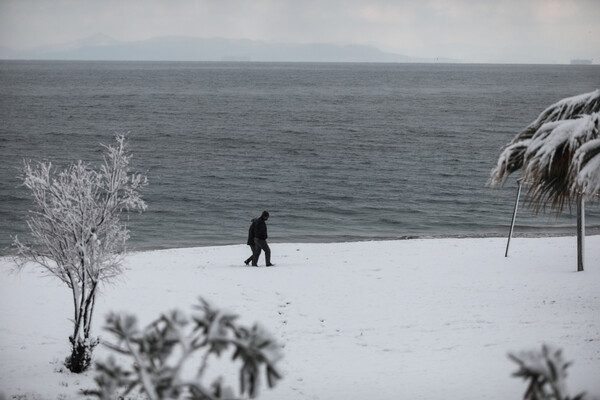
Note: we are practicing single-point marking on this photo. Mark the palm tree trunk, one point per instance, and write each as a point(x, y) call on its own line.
point(580, 232)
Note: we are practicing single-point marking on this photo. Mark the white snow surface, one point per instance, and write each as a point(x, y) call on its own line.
point(414, 319)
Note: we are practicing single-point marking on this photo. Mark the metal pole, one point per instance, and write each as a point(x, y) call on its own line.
point(580, 233)
point(514, 217)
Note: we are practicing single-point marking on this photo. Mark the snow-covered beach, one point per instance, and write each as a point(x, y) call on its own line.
point(419, 319)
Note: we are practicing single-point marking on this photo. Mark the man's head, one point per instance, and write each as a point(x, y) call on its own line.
point(265, 215)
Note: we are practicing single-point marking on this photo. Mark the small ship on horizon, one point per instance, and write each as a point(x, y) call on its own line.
point(581, 61)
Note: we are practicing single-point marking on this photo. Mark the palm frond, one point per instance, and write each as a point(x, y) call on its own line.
point(509, 161)
point(512, 156)
point(549, 157)
point(585, 169)
point(558, 154)
point(568, 108)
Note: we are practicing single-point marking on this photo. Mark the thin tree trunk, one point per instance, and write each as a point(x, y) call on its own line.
point(580, 233)
point(89, 308)
point(75, 290)
point(77, 300)
point(81, 352)
point(79, 313)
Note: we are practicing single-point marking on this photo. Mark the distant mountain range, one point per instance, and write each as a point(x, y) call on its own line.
point(181, 48)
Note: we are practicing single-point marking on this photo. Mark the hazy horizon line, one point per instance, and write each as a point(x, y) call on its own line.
point(76, 51)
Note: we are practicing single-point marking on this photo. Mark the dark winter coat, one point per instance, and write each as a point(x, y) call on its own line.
point(260, 229)
point(251, 233)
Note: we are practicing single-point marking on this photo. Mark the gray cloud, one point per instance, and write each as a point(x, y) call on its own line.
point(479, 31)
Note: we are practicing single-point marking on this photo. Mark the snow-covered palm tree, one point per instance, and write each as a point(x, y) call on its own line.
point(558, 154)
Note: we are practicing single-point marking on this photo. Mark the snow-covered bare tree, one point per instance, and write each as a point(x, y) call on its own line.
point(76, 231)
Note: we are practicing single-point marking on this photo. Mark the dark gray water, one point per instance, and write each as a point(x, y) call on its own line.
point(333, 151)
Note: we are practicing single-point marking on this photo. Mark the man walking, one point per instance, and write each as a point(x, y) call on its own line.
point(260, 240)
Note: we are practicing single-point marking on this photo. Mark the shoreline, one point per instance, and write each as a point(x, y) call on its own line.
point(315, 239)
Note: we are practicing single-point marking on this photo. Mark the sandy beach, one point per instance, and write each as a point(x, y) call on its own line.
point(419, 319)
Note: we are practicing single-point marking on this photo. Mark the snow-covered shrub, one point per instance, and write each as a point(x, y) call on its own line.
point(546, 372)
point(161, 356)
point(77, 234)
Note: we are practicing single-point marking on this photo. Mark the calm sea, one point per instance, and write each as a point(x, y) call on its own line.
point(335, 152)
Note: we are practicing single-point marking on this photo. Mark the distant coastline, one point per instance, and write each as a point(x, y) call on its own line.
point(182, 48)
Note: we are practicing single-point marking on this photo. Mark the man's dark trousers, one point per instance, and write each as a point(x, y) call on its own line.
point(253, 249)
point(258, 245)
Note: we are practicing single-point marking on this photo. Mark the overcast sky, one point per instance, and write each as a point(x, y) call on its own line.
point(470, 30)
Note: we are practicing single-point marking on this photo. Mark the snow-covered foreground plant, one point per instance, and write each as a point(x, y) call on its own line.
point(161, 356)
point(77, 234)
point(546, 372)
